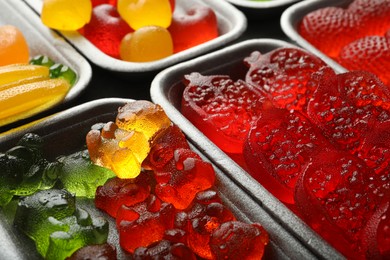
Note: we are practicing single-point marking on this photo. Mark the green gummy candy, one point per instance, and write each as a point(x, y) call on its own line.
point(80, 176)
point(42, 60)
point(63, 71)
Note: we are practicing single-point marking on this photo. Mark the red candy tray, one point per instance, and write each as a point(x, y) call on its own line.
point(167, 89)
point(65, 132)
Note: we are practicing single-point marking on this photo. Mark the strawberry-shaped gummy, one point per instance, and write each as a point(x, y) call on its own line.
point(198, 18)
point(346, 106)
point(238, 241)
point(144, 223)
point(106, 29)
point(373, 15)
point(283, 74)
point(371, 53)
point(336, 196)
point(117, 192)
point(221, 108)
point(183, 177)
point(330, 28)
point(278, 147)
point(204, 216)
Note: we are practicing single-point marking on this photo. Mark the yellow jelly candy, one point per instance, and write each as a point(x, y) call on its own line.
point(67, 15)
point(17, 74)
point(142, 116)
point(149, 43)
point(13, 46)
point(24, 100)
point(140, 13)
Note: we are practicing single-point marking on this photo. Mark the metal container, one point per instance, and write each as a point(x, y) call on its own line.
point(231, 24)
point(167, 89)
point(64, 133)
point(42, 41)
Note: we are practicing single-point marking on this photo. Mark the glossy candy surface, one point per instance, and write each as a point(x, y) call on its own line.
point(13, 46)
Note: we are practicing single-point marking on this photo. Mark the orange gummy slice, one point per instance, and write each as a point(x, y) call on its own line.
point(13, 46)
point(17, 74)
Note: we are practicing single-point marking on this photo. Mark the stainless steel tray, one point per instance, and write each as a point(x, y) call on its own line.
point(231, 24)
point(167, 89)
point(65, 133)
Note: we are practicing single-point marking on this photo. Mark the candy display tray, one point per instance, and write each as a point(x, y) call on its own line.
point(231, 24)
point(167, 89)
point(42, 41)
point(262, 9)
point(291, 17)
point(64, 133)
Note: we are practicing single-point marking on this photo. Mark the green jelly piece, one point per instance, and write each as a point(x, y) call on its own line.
point(62, 71)
point(80, 176)
point(42, 60)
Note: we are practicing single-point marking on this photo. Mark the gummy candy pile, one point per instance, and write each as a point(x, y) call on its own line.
point(358, 36)
point(28, 86)
point(160, 193)
point(133, 30)
point(317, 140)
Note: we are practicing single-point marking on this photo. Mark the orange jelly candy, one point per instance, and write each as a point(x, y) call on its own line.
point(13, 46)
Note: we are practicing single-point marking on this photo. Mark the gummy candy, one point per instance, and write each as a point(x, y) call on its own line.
point(145, 13)
point(221, 108)
point(285, 75)
point(198, 18)
point(16, 74)
point(372, 51)
point(205, 215)
point(56, 225)
point(117, 192)
point(278, 147)
point(144, 223)
point(183, 177)
point(13, 46)
point(238, 240)
point(164, 250)
point(106, 29)
point(102, 252)
point(80, 176)
point(101, 2)
point(67, 15)
point(140, 46)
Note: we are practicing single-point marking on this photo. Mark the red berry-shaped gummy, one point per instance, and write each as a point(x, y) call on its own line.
point(193, 27)
point(221, 108)
point(106, 29)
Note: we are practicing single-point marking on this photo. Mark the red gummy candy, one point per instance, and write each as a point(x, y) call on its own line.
point(278, 147)
point(346, 106)
point(221, 108)
point(164, 250)
point(106, 29)
point(284, 75)
point(102, 252)
point(336, 196)
point(205, 215)
point(235, 240)
point(117, 192)
point(370, 53)
point(196, 26)
point(144, 223)
point(183, 177)
point(163, 147)
point(330, 28)
point(374, 15)
point(101, 2)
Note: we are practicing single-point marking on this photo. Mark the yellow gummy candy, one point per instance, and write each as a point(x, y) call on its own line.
point(17, 74)
point(140, 13)
point(27, 99)
point(67, 15)
point(142, 116)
